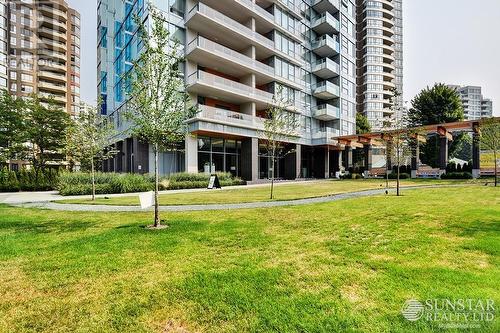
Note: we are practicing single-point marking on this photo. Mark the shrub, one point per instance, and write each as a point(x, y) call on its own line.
point(107, 183)
point(457, 175)
point(401, 176)
point(80, 183)
point(199, 180)
point(28, 180)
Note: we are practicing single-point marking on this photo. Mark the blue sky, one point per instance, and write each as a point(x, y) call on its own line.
point(449, 41)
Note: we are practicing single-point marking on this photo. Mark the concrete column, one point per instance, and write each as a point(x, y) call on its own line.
point(298, 161)
point(248, 108)
point(415, 152)
point(250, 159)
point(476, 156)
point(347, 158)
point(191, 153)
point(368, 157)
point(327, 163)
point(119, 156)
point(443, 154)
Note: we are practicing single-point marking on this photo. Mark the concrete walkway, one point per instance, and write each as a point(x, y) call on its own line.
point(31, 197)
point(187, 208)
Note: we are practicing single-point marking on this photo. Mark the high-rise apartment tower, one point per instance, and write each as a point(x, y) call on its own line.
point(40, 50)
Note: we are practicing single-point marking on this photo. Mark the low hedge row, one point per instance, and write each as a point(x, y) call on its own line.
point(401, 176)
point(457, 175)
point(80, 183)
point(109, 183)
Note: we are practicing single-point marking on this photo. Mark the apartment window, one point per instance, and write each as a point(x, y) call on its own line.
point(13, 87)
point(3, 82)
point(27, 77)
point(26, 89)
point(13, 41)
point(13, 75)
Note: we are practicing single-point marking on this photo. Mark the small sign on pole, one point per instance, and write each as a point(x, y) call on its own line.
point(147, 199)
point(213, 182)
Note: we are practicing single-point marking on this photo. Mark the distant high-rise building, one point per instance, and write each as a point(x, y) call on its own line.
point(379, 59)
point(475, 105)
point(40, 51)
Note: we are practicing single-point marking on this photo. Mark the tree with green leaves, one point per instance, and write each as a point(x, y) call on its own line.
point(490, 140)
point(12, 126)
point(89, 138)
point(158, 101)
point(437, 105)
point(46, 129)
point(279, 125)
point(362, 124)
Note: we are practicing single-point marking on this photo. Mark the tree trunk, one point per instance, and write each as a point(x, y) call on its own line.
point(157, 212)
point(272, 177)
point(93, 177)
point(397, 182)
point(495, 161)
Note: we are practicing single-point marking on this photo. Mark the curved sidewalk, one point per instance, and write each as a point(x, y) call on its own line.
point(188, 208)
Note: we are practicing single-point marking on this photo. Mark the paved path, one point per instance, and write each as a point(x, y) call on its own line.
point(32, 197)
point(187, 208)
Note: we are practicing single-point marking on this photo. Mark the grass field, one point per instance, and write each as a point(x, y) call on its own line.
point(261, 193)
point(336, 267)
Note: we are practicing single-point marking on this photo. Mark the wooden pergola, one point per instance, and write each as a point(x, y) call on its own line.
point(345, 144)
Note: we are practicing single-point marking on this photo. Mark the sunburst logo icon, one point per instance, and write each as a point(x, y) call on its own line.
point(412, 310)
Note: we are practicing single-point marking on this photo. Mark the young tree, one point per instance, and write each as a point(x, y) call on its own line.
point(158, 105)
point(399, 138)
point(436, 105)
point(12, 127)
point(46, 128)
point(279, 125)
point(490, 140)
point(89, 138)
point(362, 124)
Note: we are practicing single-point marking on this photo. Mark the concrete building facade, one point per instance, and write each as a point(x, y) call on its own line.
point(475, 105)
point(237, 53)
point(40, 51)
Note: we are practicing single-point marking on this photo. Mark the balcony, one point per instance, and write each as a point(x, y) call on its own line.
point(203, 18)
point(51, 34)
point(325, 136)
point(57, 98)
point(226, 117)
point(326, 68)
point(326, 24)
point(211, 54)
point(326, 112)
point(52, 86)
point(51, 23)
point(53, 76)
point(326, 90)
point(226, 31)
point(326, 46)
point(322, 6)
point(227, 90)
point(52, 11)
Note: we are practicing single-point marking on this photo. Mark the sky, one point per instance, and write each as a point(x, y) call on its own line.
point(448, 41)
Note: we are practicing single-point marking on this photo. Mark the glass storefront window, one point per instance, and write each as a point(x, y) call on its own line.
point(219, 155)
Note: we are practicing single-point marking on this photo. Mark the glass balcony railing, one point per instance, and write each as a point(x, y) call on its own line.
point(326, 90)
point(234, 56)
point(231, 117)
point(230, 86)
point(326, 112)
point(326, 68)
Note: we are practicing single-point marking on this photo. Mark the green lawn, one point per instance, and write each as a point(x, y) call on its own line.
point(256, 194)
point(335, 267)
